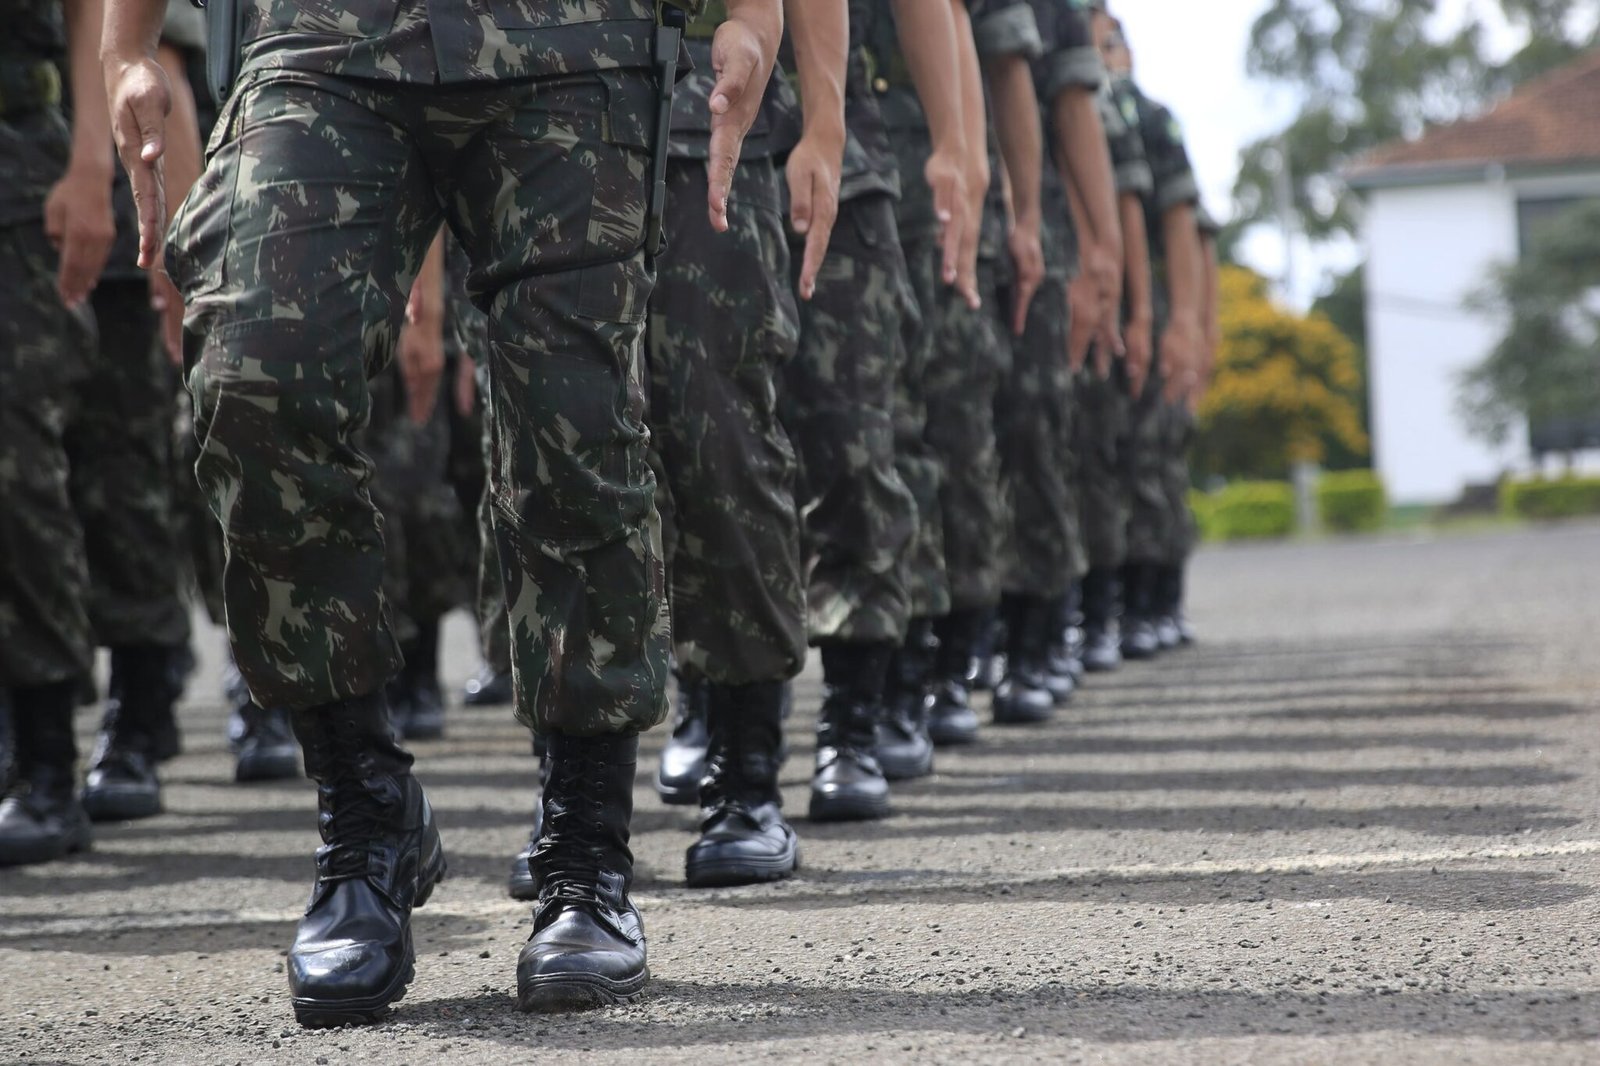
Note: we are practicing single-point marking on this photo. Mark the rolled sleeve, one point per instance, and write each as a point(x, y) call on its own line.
point(1072, 68)
point(1177, 189)
point(1134, 176)
point(1000, 30)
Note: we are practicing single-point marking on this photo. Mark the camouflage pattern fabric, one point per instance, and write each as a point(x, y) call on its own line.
point(201, 555)
point(425, 552)
point(295, 252)
point(1100, 425)
point(1034, 424)
point(1149, 509)
point(119, 443)
point(44, 574)
point(838, 394)
point(1177, 435)
point(722, 324)
point(920, 469)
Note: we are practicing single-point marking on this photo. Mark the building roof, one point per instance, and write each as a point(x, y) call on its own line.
point(1551, 122)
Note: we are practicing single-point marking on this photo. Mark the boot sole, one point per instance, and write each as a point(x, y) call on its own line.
point(952, 737)
point(120, 807)
point(560, 992)
point(848, 810)
point(45, 852)
point(267, 768)
point(906, 769)
point(726, 873)
point(1015, 717)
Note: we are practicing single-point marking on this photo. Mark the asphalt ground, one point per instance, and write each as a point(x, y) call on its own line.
point(1359, 823)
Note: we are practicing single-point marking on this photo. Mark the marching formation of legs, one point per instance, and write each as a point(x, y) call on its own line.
point(669, 360)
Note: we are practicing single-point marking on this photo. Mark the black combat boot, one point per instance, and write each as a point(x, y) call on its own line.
point(587, 948)
point(1169, 597)
point(352, 954)
point(1024, 694)
point(683, 757)
point(165, 742)
point(418, 701)
point(122, 784)
point(951, 719)
point(1064, 656)
point(267, 750)
point(849, 784)
point(40, 817)
point(989, 654)
point(1102, 612)
point(488, 688)
point(744, 838)
point(904, 749)
point(522, 884)
point(1139, 640)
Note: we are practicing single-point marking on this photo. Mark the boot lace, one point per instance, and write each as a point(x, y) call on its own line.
point(352, 820)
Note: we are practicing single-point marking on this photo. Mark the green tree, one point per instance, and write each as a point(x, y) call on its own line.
point(1546, 367)
point(1284, 391)
point(1371, 71)
point(1345, 305)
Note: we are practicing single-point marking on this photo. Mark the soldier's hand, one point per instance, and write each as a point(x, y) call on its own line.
point(167, 303)
point(79, 222)
point(141, 99)
point(466, 386)
point(945, 173)
point(742, 54)
point(1027, 259)
point(1180, 349)
point(421, 351)
point(1083, 307)
point(813, 173)
point(1137, 342)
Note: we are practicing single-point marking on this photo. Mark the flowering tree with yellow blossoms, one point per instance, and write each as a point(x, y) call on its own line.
point(1285, 387)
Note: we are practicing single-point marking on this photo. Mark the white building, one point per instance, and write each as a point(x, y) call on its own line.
point(1441, 211)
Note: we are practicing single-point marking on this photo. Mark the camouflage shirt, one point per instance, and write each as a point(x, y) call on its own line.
point(1172, 178)
point(33, 139)
point(1128, 164)
point(777, 125)
point(446, 41)
point(869, 160)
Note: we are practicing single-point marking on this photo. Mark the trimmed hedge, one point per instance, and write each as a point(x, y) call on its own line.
point(1247, 510)
point(1351, 501)
point(1563, 497)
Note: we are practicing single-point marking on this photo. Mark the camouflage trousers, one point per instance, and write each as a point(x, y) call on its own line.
point(45, 635)
point(1177, 435)
point(425, 548)
point(120, 446)
point(1034, 423)
point(971, 356)
point(837, 402)
point(722, 325)
point(295, 252)
point(921, 471)
point(1099, 427)
point(1149, 509)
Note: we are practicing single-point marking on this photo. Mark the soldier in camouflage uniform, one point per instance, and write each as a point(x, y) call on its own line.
point(1105, 389)
point(944, 406)
point(53, 186)
point(1034, 415)
point(1176, 270)
point(350, 134)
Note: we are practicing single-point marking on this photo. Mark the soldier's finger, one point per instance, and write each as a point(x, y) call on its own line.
point(1019, 317)
point(149, 202)
point(801, 191)
point(719, 177)
point(817, 239)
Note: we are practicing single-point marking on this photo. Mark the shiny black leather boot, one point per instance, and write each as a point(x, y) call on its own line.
point(267, 750)
point(951, 719)
point(121, 783)
point(848, 784)
point(744, 838)
point(989, 654)
point(381, 856)
point(1102, 628)
point(683, 757)
point(417, 699)
point(521, 884)
point(588, 947)
point(40, 817)
point(1139, 639)
point(1024, 695)
point(903, 748)
point(1169, 596)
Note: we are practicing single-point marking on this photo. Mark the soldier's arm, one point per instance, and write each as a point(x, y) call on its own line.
point(975, 135)
point(927, 32)
point(1211, 323)
point(182, 171)
point(1016, 123)
point(1181, 342)
point(742, 54)
point(1086, 165)
point(421, 349)
point(820, 30)
point(1136, 278)
point(140, 96)
point(78, 217)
